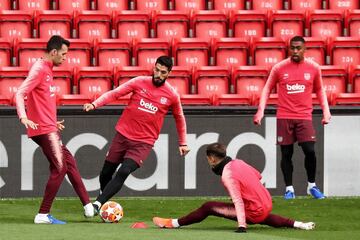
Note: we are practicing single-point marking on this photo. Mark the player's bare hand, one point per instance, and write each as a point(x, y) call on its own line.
point(88, 107)
point(184, 150)
point(59, 125)
point(257, 118)
point(326, 119)
point(28, 123)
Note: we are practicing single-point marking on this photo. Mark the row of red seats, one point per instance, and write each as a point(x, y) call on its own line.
point(165, 24)
point(149, 5)
point(227, 52)
point(242, 85)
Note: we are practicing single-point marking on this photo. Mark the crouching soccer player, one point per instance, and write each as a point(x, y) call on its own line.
point(251, 201)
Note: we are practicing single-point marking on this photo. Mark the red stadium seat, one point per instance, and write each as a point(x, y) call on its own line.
point(232, 99)
point(248, 23)
point(5, 5)
point(48, 23)
point(131, 24)
point(191, 52)
point(347, 99)
point(212, 80)
point(63, 81)
point(32, 5)
point(150, 5)
point(188, 5)
point(93, 81)
point(72, 5)
point(92, 24)
point(304, 5)
point(267, 5)
point(230, 51)
point(79, 54)
point(352, 23)
point(124, 74)
point(325, 23)
point(268, 51)
point(248, 82)
point(10, 80)
point(209, 24)
point(112, 52)
point(5, 52)
point(73, 99)
point(197, 100)
point(286, 24)
point(27, 51)
point(354, 79)
point(5, 101)
point(228, 5)
point(345, 51)
point(112, 5)
point(180, 79)
point(15, 24)
point(315, 50)
point(171, 24)
point(343, 4)
point(334, 80)
point(147, 50)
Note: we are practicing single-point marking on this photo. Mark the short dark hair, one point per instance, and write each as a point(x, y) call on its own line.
point(165, 61)
point(297, 39)
point(56, 42)
point(216, 149)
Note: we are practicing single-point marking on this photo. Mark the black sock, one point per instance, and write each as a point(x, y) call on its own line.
point(106, 173)
point(310, 160)
point(114, 186)
point(286, 163)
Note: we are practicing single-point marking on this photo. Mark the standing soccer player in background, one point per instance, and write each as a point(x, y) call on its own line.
point(40, 119)
point(139, 125)
point(251, 201)
point(296, 77)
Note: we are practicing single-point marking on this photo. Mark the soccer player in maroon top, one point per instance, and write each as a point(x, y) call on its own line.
point(139, 125)
point(43, 128)
point(297, 78)
point(251, 201)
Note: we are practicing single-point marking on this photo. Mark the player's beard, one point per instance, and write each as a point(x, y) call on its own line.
point(296, 58)
point(158, 83)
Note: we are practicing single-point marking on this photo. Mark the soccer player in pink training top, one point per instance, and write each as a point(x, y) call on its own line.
point(40, 119)
point(139, 125)
point(251, 201)
point(296, 78)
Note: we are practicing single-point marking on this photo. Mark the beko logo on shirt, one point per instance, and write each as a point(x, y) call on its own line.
point(147, 107)
point(295, 88)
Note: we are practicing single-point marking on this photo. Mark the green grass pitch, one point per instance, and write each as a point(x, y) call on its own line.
point(336, 218)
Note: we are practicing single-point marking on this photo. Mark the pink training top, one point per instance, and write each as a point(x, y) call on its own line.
point(41, 98)
point(296, 82)
point(143, 118)
point(246, 191)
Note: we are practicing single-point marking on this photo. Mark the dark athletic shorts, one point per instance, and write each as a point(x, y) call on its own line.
point(122, 147)
point(290, 131)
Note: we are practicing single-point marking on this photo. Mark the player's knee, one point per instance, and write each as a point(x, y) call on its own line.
point(60, 169)
point(207, 207)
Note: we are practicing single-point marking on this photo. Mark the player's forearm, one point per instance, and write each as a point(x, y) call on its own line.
point(323, 101)
point(181, 128)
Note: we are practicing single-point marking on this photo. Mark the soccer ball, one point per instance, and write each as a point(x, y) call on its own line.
point(111, 212)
